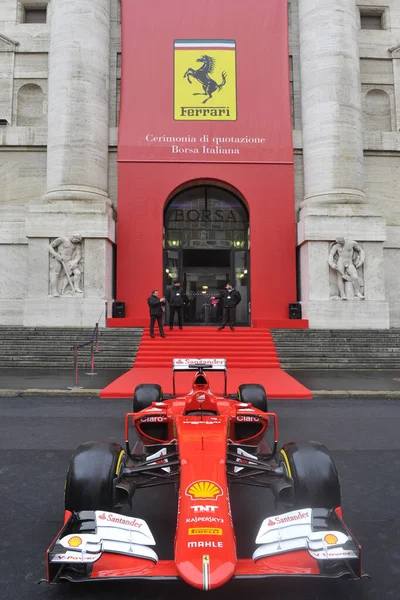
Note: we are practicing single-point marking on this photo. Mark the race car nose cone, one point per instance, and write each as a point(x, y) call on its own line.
point(206, 572)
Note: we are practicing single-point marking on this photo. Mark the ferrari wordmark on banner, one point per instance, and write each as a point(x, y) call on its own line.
point(205, 80)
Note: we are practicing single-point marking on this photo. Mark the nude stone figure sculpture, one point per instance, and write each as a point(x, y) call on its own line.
point(66, 254)
point(345, 257)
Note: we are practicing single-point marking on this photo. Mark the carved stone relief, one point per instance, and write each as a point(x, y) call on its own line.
point(66, 266)
point(346, 258)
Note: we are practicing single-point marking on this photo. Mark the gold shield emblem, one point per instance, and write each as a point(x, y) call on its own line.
point(205, 80)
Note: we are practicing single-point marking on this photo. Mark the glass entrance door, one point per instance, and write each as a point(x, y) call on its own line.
point(206, 245)
point(205, 273)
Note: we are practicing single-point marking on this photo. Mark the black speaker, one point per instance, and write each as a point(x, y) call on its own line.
point(295, 310)
point(118, 310)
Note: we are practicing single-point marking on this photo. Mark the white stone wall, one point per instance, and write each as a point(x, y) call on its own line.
point(27, 224)
point(381, 70)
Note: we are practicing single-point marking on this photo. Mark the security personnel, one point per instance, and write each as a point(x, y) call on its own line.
point(156, 306)
point(175, 301)
point(231, 299)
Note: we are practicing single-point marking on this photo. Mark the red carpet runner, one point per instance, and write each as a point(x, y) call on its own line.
point(250, 353)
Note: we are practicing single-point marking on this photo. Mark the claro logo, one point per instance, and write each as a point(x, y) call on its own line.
point(159, 419)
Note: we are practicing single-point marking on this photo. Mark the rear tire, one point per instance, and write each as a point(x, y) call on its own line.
point(145, 394)
point(91, 473)
point(255, 394)
point(314, 474)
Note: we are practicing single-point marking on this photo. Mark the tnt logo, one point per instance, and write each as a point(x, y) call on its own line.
point(206, 508)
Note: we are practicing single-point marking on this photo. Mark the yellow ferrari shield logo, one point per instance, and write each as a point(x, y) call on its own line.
point(205, 80)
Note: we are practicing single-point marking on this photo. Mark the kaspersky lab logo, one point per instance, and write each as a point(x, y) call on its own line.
point(205, 80)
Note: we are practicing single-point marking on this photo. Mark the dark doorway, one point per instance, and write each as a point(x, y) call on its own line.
point(206, 258)
point(207, 244)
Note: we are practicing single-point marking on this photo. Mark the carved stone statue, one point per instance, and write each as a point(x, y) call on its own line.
point(345, 257)
point(65, 274)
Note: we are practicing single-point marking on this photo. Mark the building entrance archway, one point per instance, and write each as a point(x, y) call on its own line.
point(206, 244)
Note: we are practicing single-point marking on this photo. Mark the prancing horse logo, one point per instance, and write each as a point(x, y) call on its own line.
point(202, 76)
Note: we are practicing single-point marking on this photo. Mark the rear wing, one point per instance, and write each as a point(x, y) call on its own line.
point(200, 365)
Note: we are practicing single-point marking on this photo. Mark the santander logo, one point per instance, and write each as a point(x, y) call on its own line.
point(110, 518)
point(288, 518)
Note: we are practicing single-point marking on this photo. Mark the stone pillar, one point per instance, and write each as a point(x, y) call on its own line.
point(395, 51)
point(331, 102)
point(76, 200)
point(334, 202)
point(78, 104)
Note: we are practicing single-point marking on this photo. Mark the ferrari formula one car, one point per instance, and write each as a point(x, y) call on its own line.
point(202, 444)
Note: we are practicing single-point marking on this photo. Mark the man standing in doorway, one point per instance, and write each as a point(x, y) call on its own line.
point(175, 301)
point(231, 299)
point(156, 306)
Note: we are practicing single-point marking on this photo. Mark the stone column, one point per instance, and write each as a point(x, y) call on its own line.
point(334, 202)
point(331, 102)
point(76, 200)
point(78, 104)
point(395, 51)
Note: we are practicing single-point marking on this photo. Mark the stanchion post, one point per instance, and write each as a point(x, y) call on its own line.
point(76, 371)
point(76, 366)
point(91, 359)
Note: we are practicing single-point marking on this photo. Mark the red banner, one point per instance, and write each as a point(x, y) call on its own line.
point(205, 82)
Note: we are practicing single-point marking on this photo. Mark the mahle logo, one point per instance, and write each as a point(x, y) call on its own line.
point(205, 80)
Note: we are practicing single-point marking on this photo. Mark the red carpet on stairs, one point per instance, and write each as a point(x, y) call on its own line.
point(250, 354)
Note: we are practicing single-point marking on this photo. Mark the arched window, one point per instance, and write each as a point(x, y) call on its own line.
point(377, 111)
point(206, 217)
point(30, 105)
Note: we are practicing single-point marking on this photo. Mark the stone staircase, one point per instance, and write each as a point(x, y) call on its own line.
point(338, 349)
point(44, 347)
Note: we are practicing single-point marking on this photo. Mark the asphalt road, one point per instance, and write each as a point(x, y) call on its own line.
point(38, 435)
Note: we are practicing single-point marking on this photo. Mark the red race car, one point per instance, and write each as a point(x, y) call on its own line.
point(202, 443)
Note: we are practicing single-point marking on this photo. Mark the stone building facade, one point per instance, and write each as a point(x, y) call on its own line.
point(59, 97)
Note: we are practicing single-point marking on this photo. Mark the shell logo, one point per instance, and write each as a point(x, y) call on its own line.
point(75, 541)
point(330, 538)
point(204, 490)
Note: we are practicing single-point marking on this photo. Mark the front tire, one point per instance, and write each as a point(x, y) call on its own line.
point(145, 394)
point(90, 478)
point(314, 474)
point(255, 394)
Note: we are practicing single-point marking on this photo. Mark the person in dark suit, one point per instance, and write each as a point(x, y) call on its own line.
point(231, 299)
point(175, 301)
point(186, 307)
point(156, 306)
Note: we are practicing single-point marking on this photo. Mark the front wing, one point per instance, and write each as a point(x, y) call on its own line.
point(307, 543)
